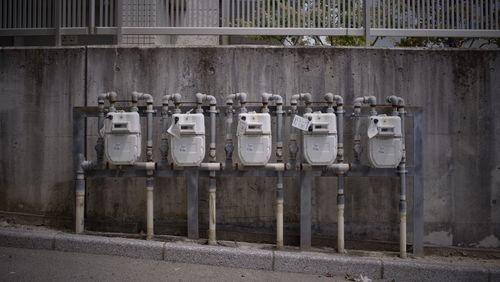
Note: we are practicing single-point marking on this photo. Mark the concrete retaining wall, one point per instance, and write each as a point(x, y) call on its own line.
point(459, 90)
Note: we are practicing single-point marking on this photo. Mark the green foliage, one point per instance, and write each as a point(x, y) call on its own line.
point(346, 40)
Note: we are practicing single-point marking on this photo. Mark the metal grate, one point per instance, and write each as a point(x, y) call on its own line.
point(138, 21)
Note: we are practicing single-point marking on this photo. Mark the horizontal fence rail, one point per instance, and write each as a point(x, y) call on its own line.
point(144, 19)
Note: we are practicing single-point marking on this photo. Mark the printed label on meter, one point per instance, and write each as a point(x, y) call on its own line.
point(300, 123)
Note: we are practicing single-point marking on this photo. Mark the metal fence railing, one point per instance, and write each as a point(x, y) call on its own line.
point(129, 19)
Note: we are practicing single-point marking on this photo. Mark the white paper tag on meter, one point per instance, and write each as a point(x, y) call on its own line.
point(242, 126)
point(372, 130)
point(300, 123)
point(174, 130)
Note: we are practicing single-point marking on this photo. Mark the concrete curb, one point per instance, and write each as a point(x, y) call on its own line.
point(252, 258)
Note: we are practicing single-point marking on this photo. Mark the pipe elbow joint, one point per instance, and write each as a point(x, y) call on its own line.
point(266, 97)
point(241, 97)
point(110, 96)
point(396, 101)
point(200, 98)
point(370, 100)
point(306, 97)
point(176, 98)
point(330, 98)
point(136, 96)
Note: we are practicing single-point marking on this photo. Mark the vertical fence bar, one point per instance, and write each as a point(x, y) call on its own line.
point(112, 11)
point(496, 14)
point(329, 14)
point(9, 14)
point(83, 8)
point(481, 6)
point(367, 21)
point(57, 22)
point(313, 6)
point(177, 13)
point(92, 17)
point(119, 21)
point(448, 23)
point(39, 14)
point(453, 15)
point(15, 13)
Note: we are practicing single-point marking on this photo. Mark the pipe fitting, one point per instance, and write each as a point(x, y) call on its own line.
point(277, 166)
point(370, 100)
point(266, 97)
point(306, 97)
point(212, 166)
point(88, 165)
point(241, 97)
point(136, 96)
point(200, 98)
point(110, 96)
point(338, 168)
point(396, 101)
point(331, 98)
point(176, 98)
point(149, 166)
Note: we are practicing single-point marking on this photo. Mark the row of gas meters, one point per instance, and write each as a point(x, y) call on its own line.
point(122, 135)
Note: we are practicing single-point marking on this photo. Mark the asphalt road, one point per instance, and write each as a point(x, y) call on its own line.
point(44, 265)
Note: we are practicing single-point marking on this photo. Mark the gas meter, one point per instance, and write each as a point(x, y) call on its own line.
point(254, 138)
point(188, 139)
point(320, 139)
point(122, 137)
point(385, 141)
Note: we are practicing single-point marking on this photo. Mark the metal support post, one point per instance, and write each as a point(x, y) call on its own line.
point(191, 175)
point(306, 179)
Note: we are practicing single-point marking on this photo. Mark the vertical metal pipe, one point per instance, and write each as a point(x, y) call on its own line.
point(79, 153)
point(229, 147)
point(99, 147)
point(191, 176)
point(340, 214)
point(279, 185)
point(402, 194)
point(279, 211)
point(149, 207)
point(340, 179)
point(149, 144)
point(80, 198)
point(212, 240)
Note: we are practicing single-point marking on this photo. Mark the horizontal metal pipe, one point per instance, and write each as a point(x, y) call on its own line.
point(212, 166)
point(145, 165)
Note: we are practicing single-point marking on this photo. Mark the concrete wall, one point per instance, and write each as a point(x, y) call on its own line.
point(459, 90)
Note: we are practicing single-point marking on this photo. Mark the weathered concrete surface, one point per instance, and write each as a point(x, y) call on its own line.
point(256, 256)
point(458, 88)
point(38, 88)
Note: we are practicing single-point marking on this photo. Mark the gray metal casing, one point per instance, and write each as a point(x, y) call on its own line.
point(122, 137)
point(254, 139)
point(320, 141)
point(385, 148)
point(189, 148)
